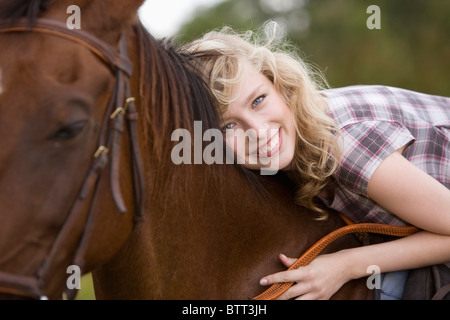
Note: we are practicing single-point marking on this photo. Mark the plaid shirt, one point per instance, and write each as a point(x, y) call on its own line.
point(375, 121)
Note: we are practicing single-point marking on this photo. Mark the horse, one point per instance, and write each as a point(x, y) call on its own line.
point(87, 178)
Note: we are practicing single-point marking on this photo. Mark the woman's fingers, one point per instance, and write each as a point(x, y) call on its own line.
point(284, 276)
point(287, 262)
point(317, 280)
point(294, 292)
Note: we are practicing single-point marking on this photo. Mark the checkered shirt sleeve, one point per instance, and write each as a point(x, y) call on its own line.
point(366, 145)
point(375, 121)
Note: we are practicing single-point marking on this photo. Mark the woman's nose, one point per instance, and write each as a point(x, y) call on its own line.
point(257, 125)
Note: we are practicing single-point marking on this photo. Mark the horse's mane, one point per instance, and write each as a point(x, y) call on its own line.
point(174, 95)
point(16, 9)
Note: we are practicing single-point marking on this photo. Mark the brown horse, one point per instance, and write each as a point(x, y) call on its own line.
point(145, 227)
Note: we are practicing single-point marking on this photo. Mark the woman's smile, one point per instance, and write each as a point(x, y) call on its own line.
point(271, 147)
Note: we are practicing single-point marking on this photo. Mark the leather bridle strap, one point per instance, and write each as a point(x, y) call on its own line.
point(72, 242)
point(27, 287)
point(277, 289)
point(101, 49)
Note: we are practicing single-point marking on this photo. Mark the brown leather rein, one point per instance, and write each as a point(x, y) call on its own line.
point(121, 107)
point(277, 289)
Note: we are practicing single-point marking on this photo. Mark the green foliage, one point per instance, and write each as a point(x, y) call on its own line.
point(411, 50)
point(87, 288)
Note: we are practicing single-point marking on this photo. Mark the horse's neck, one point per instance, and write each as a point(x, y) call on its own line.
point(226, 231)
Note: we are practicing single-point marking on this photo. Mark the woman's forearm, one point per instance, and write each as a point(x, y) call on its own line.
point(415, 251)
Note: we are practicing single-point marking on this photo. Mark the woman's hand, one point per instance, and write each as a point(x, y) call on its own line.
point(317, 281)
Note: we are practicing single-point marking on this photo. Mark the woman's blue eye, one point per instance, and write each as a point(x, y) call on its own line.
point(258, 101)
point(228, 127)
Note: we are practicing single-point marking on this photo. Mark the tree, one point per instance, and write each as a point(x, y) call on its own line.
point(411, 50)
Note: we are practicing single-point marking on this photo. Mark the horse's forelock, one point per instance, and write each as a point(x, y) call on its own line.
point(16, 9)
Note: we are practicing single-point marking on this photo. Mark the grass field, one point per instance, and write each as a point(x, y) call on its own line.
point(87, 290)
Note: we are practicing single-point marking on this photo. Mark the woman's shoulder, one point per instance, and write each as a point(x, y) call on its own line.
point(385, 103)
point(366, 94)
point(355, 89)
point(348, 105)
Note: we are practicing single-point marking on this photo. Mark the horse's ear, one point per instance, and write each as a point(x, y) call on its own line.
point(108, 18)
point(104, 18)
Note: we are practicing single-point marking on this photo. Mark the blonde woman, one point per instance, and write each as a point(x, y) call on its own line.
point(373, 153)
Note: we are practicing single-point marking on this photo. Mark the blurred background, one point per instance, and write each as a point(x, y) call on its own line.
point(411, 50)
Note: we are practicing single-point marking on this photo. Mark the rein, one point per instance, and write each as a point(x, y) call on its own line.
point(75, 232)
point(277, 289)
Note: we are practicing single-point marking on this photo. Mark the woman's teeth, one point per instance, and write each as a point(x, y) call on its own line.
point(267, 148)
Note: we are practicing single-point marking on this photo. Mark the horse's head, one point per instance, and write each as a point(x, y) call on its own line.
point(60, 146)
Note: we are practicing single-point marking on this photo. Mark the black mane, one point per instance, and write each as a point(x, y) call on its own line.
point(13, 10)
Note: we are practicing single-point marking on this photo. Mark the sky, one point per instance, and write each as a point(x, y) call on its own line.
point(163, 17)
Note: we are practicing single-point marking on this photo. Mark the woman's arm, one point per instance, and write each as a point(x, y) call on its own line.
point(328, 272)
point(411, 194)
point(415, 197)
point(418, 250)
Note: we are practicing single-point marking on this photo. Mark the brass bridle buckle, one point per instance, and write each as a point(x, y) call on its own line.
point(101, 150)
point(122, 110)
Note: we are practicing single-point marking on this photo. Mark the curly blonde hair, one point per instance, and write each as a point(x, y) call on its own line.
point(222, 55)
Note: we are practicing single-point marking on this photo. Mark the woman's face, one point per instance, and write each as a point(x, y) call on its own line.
point(258, 125)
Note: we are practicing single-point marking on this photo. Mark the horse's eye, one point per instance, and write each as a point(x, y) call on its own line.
point(70, 131)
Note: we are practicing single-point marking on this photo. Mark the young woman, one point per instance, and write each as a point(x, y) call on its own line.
point(373, 153)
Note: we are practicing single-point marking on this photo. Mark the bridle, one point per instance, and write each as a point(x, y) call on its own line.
point(121, 108)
